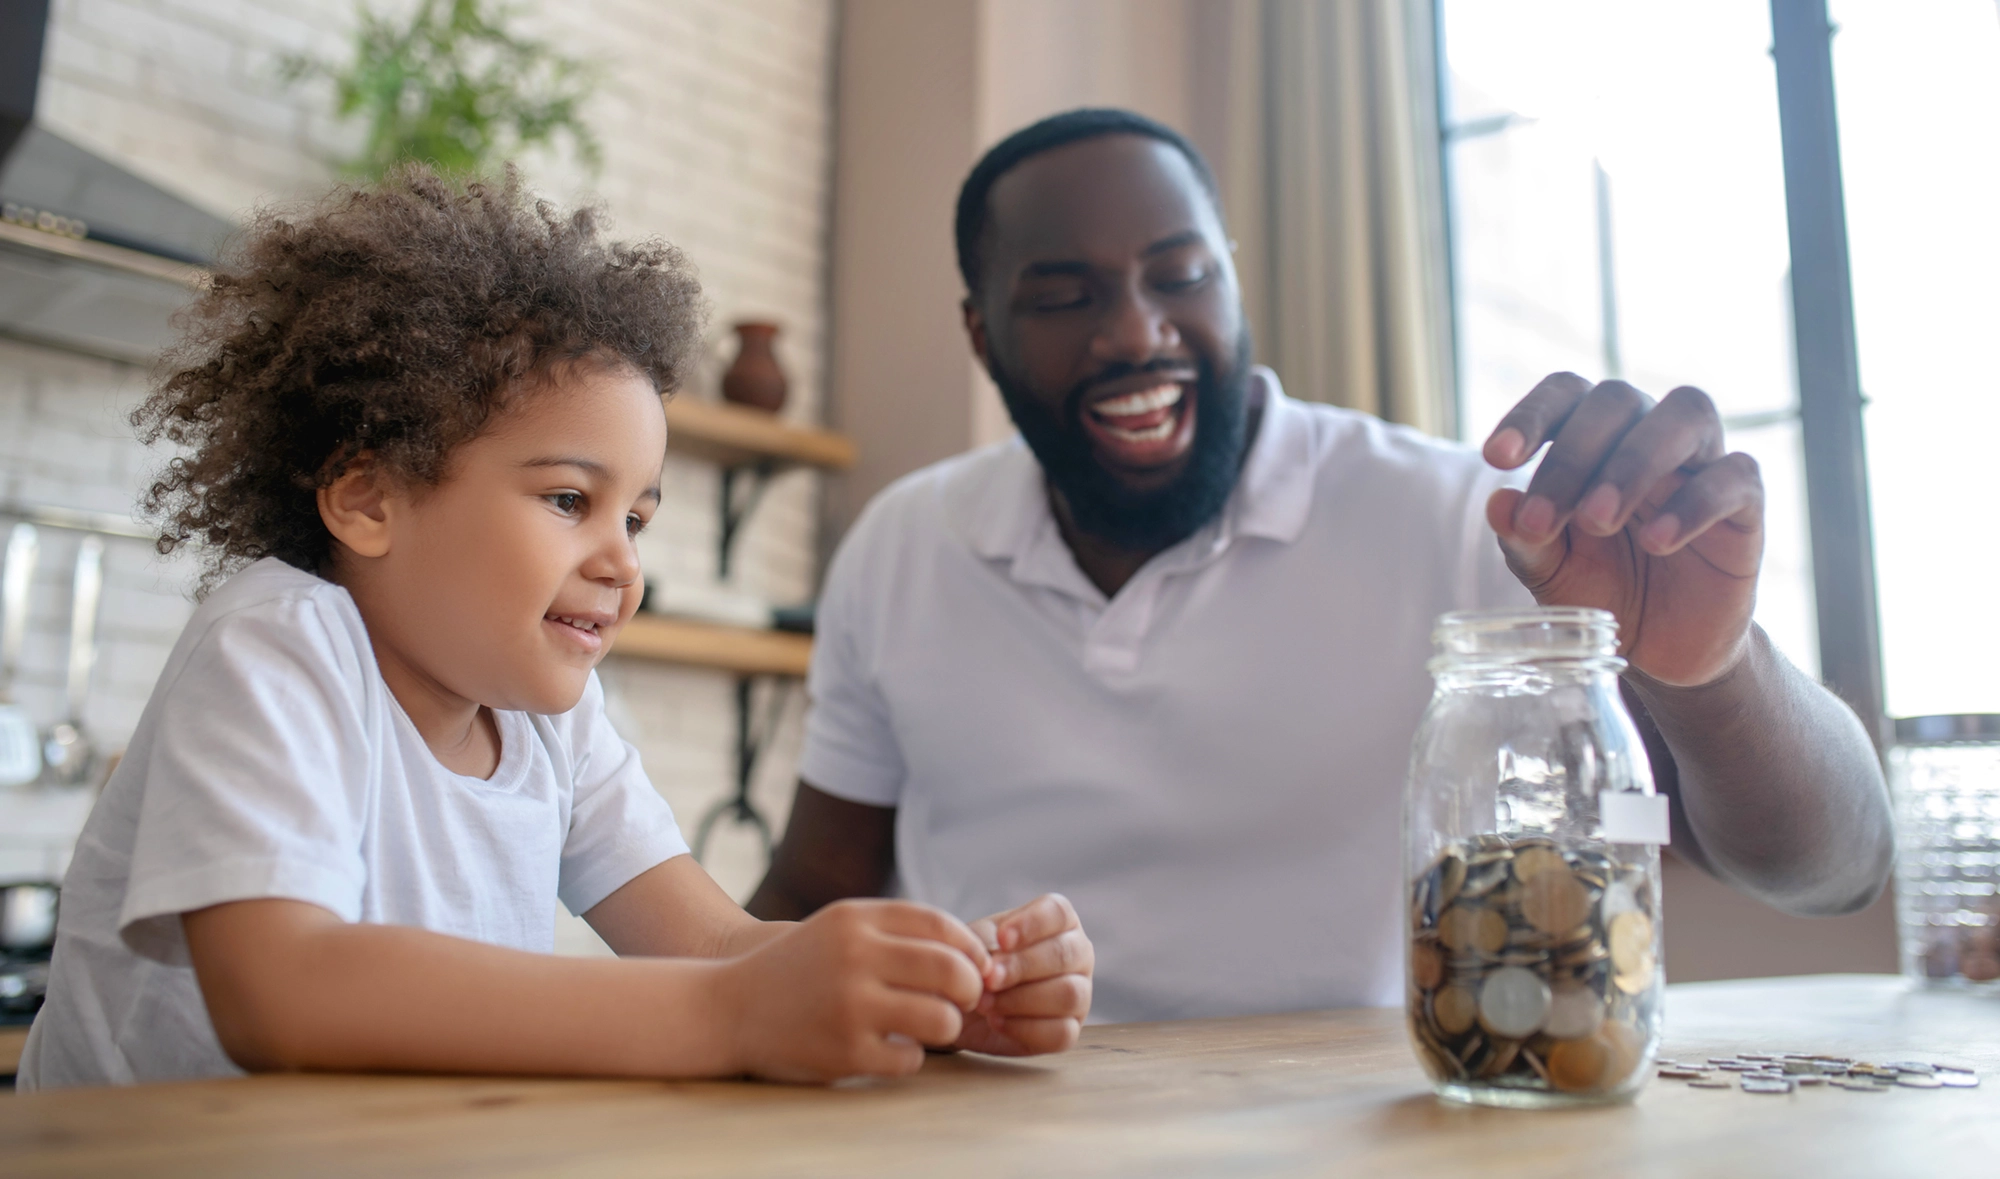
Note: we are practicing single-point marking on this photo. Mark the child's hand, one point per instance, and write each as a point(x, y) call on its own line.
point(1038, 986)
point(859, 988)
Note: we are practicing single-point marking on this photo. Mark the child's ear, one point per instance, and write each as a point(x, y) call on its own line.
point(355, 507)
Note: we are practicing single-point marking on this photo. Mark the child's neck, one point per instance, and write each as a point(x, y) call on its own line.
point(461, 733)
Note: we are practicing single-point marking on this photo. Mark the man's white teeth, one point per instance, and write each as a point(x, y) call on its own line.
point(1149, 434)
point(1144, 401)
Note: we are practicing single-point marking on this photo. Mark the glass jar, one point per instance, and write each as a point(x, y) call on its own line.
point(1944, 772)
point(1531, 838)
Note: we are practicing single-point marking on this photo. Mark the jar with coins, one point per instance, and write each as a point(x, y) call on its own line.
point(1531, 836)
point(1944, 772)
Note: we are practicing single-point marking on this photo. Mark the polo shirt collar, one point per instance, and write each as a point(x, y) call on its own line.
point(1010, 518)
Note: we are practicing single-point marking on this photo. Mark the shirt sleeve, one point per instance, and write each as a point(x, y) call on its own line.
point(619, 826)
point(1485, 582)
point(850, 750)
point(257, 778)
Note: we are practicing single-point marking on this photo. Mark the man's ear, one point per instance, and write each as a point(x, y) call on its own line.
point(355, 507)
point(975, 330)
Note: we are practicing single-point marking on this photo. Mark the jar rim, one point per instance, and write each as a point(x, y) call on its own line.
point(1510, 617)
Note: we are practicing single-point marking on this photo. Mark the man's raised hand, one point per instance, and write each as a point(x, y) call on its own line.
point(1038, 983)
point(1636, 509)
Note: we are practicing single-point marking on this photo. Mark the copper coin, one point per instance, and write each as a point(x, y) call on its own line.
point(1574, 1012)
point(1579, 1066)
point(1463, 928)
point(1631, 937)
point(1639, 977)
point(1532, 862)
point(1455, 1008)
point(1554, 902)
point(1513, 1002)
point(1426, 967)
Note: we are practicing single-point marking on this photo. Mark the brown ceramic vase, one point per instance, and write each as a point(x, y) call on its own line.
point(754, 379)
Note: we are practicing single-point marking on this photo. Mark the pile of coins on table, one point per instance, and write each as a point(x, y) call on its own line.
point(1758, 1072)
point(1533, 966)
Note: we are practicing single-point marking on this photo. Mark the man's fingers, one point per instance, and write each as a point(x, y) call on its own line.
point(1044, 917)
point(1069, 952)
point(1586, 439)
point(1535, 420)
point(1683, 430)
point(1729, 489)
point(1066, 996)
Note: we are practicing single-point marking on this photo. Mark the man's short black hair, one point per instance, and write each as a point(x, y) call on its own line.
point(1036, 138)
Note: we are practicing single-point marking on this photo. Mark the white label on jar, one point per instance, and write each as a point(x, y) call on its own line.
point(1632, 817)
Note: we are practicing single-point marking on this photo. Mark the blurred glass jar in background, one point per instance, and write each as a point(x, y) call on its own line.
point(1945, 774)
point(1531, 835)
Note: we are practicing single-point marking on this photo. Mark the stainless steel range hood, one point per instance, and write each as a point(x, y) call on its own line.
point(92, 257)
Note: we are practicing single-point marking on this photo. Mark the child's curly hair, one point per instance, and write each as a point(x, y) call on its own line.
point(396, 319)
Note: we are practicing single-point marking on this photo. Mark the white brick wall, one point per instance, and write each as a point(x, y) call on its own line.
point(716, 126)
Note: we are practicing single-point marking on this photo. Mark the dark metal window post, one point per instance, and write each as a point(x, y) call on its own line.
point(1843, 544)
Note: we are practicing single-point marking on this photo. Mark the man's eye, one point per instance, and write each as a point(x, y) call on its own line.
point(566, 502)
point(1063, 300)
point(1184, 281)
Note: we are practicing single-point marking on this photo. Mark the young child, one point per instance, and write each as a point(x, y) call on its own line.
point(428, 419)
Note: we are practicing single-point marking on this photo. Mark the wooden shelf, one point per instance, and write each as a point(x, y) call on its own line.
point(110, 257)
point(725, 648)
point(736, 437)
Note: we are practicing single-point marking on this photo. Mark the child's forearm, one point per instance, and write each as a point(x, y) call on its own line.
point(319, 993)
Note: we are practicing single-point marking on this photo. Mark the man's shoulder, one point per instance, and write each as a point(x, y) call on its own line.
point(958, 499)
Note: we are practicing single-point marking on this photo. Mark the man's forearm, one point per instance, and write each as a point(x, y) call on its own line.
point(1776, 785)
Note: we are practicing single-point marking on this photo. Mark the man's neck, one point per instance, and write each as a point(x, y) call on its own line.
point(1109, 566)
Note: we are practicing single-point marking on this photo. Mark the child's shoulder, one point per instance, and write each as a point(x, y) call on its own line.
point(273, 611)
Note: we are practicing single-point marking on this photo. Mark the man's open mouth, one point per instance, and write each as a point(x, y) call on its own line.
point(1146, 427)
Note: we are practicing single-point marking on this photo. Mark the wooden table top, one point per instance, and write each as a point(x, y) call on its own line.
point(1327, 1093)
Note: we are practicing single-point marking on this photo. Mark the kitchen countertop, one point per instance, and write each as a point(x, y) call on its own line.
point(1334, 1092)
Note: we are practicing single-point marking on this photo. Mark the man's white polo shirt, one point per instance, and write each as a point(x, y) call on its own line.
point(1209, 764)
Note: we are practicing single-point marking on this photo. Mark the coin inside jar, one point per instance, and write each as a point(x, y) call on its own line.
point(1426, 967)
point(1553, 901)
point(1455, 1008)
point(1533, 861)
point(1574, 1012)
point(1513, 1002)
point(1463, 929)
point(1631, 936)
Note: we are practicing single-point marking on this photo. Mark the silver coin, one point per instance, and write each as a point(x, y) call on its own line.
point(1911, 1066)
point(1753, 1085)
point(1958, 1080)
point(1682, 1074)
point(1919, 1081)
point(1738, 1066)
point(1513, 1002)
point(1861, 1086)
point(1709, 1083)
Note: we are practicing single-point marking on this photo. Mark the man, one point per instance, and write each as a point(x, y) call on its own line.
point(1165, 654)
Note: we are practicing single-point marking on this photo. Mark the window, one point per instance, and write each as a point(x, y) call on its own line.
point(1918, 87)
point(1618, 208)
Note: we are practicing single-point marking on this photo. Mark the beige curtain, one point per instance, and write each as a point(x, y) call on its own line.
point(1332, 181)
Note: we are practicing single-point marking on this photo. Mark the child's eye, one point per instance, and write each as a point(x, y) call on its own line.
point(634, 525)
point(565, 502)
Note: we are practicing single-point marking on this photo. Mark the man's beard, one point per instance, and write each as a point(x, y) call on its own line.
point(1105, 509)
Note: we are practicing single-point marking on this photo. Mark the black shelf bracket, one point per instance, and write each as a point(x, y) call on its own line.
point(735, 508)
point(751, 742)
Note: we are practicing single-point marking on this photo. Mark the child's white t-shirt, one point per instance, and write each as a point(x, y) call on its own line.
point(272, 761)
